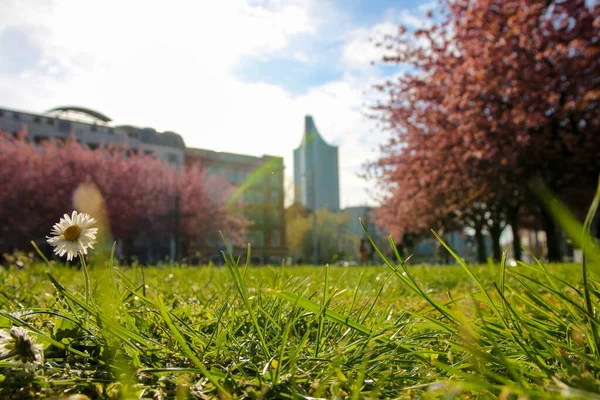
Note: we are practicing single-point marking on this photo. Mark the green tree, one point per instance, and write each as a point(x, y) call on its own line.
point(334, 238)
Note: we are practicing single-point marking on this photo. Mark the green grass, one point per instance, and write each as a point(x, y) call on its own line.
point(271, 332)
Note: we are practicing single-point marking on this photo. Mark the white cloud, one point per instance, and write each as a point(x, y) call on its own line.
point(169, 66)
point(410, 20)
point(360, 51)
point(301, 56)
point(428, 6)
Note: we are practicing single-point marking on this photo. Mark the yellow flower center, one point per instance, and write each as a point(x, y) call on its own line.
point(72, 233)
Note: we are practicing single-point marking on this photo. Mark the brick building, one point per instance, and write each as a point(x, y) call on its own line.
point(259, 191)
point(258, 180)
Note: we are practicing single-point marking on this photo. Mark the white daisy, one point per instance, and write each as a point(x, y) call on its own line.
point(73, 235)
point(18, 346)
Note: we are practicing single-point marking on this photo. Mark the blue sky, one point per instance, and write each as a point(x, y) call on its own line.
point(235, 75)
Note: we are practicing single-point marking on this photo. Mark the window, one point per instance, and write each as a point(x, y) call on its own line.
point(16, 116)
point(257, 217)
point(50, 121)
point(259, 196)
point(37, 119)
point(213, 170)
point(241, 175)
point(260, 177)
point(1, 114)
point(274, 178)
point(256, 238)
point(172, 158)
point(93, 128)
point(211, 240)
point(249, 196)
point(275, 217)
point(92, 146)
point(231, 176)
point(275, 238)
point(275, 197)
point(64, 126)
point(110, 131)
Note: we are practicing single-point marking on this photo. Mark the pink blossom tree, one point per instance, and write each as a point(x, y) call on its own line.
point(138, 191)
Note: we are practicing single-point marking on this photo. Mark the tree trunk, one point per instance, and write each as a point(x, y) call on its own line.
point(481, 256)
point(552, 244)
point(513, 220)
point(495, 232)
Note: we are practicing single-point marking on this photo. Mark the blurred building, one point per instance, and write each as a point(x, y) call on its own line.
point(429, 250)
point(355, 214)
point(316, 176)
point(535, 245)
point(259, 193)
point(94, 130)
point(364, 213)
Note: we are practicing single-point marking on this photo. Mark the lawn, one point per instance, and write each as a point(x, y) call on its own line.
point(170, 331)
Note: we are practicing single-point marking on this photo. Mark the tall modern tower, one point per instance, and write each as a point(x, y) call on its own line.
point(316, 176)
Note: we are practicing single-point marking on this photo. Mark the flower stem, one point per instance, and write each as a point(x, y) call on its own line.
point(87, 279)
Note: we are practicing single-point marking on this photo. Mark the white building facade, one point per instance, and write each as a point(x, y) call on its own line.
point(94, 130)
